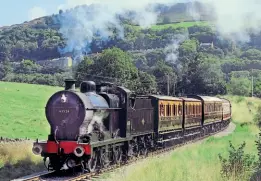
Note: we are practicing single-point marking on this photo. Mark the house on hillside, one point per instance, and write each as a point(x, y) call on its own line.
point(206, 45)
point(63, 62)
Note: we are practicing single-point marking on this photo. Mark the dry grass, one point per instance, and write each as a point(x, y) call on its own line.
point(16, 160)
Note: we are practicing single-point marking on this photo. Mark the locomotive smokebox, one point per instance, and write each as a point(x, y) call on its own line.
point(70, 84)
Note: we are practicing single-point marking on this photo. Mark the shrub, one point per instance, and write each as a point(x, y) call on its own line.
point(239, 165)
point(257, 118)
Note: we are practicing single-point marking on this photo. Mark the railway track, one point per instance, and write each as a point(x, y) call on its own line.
point(52, 176)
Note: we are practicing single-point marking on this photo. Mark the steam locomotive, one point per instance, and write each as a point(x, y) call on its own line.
point(107, 124)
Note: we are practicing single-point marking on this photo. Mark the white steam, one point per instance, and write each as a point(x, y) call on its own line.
point(98, 118)
point(234, 19)
point(79, 26)
point(172, 50)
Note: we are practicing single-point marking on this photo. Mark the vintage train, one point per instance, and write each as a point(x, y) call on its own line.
point(107, 124)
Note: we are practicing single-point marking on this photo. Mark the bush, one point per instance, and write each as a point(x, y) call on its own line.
point(239, 165)
point(239, 86)
point(257, 118)
point(240, 99)
point(42, 79)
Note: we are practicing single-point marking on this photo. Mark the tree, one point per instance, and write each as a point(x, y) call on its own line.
point(239, 86)
point(163, 73)
point(83, 69)
point(252, 54)
point(146, 84)
point(113, 65)
point(28, 66)
point(5, 69)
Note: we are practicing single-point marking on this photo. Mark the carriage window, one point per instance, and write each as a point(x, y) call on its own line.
point(174, 109)
point(180, 110)
point(132, 102)
point(168, 113)
point(162, 110)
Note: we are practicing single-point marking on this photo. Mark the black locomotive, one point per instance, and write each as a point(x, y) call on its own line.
point(107, 124)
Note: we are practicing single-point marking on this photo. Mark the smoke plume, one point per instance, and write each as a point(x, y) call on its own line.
point(172, 50)
point(233, 19)
point(81, 24)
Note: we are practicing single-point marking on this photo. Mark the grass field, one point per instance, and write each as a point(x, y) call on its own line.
point(181, 24)
point(177, 25)
point(198, 161)
point(22, 115)
point(22, 110)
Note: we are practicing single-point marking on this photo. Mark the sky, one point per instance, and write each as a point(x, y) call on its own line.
point(18, 11)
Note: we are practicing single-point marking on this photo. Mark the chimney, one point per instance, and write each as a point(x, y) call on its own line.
point(70, 84)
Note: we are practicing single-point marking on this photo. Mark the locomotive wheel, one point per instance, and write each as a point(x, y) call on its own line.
point(55, 164)
point(117, 155)
point(105, 162)
point(92, 162)
point(144, 151)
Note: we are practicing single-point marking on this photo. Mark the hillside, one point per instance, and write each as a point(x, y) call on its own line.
point(42, 38)
point(193, 54)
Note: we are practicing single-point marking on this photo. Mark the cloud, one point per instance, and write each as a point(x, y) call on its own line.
point(36, 12)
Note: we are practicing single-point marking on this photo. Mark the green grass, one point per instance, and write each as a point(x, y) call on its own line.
point(22, 115)
point(22, 110)
point(177, 25)
point(198, 161)
point(181, 24)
